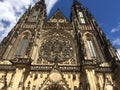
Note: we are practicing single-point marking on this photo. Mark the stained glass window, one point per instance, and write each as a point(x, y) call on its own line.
point(91, 48)
point(23, 47)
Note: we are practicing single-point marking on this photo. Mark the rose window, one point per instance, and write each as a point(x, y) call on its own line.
point(56, 50)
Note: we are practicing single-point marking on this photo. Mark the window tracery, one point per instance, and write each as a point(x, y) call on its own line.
point(56, 49)
point(22, 49)
point(91, 46)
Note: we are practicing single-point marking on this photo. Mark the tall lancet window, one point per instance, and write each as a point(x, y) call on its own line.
point(33, 16)
point(82, 20)
point(23, 46)
point(91, 47)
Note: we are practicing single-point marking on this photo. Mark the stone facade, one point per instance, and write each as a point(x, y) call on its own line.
point(58, 54)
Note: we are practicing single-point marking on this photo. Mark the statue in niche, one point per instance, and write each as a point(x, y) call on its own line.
point(3, 82)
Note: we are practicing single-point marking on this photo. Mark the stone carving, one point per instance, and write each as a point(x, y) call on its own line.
point(56, 49)
point(3, 82)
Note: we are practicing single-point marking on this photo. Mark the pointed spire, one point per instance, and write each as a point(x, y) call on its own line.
point(41, 1)
point(75, 1)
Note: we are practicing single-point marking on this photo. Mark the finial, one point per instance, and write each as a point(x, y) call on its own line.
point(75, 0)
point(41, 0)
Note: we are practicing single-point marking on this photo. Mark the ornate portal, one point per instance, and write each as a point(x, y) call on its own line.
point(56, 50)
point(55, 87)
point(58, 53)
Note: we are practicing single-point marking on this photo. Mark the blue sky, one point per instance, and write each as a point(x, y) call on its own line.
point(106, 12)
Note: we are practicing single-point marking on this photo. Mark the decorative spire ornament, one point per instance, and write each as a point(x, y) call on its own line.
point(75, 0)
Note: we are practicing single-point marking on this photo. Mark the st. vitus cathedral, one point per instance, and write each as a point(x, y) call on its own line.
point(58, 54)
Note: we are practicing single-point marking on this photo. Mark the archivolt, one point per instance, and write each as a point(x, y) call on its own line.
point(55, 87)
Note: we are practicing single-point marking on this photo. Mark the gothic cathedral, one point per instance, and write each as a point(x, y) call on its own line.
point(58, 54)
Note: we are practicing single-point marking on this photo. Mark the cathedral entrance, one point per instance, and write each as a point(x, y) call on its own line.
point(55, 87)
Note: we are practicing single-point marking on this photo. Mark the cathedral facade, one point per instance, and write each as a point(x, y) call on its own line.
point(58, 54)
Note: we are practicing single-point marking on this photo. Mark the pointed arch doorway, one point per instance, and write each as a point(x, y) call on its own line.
point(55, 87)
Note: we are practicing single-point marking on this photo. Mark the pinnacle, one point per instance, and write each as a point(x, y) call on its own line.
point(41, 1)
point(74, 1)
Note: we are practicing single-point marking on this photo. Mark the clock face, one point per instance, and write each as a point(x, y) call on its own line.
point(56, 50)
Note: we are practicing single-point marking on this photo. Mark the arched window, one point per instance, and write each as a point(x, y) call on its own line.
point(82, 20)
point(22, 46)
point(91, 46)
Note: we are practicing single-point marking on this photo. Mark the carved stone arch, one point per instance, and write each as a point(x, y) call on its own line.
point(61, 32)
point(90, 45)
point(62, 38)
point(90, 36)
point(55, 80)
point(55, 87)
point(32, 32)
point(23, 39)
point(54, 33)
point(26, 32)
point(16, 40)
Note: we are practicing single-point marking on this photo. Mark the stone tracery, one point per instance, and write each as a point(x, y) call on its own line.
point(56, 48)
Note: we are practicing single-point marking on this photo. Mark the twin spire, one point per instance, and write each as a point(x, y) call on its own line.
point(41, 1)
point(44, 1)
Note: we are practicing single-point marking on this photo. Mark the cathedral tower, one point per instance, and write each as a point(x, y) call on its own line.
point(58, 54)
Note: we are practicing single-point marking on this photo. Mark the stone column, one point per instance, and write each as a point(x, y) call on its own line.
point(91, 79)
point(17, 78)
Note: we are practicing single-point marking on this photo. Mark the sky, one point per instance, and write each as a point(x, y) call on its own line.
point(106, 12)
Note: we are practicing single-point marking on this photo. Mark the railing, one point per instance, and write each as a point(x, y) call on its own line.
point(7, 68)
point(40, 68)
point(66, 26)
point(89, 63)
point(21, 61)
point(85, 27)
point(103, 70)
point(61, 68)
point(50, 25)
point(70, 68)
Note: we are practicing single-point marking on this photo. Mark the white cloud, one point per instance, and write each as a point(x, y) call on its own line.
point(1, 27)
point(50, 4)
point(118, 51)
point(8, 13)
point(116, 41)
point(9, 10)
point(116, 29)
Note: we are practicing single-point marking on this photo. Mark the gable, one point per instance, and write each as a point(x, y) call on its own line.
point(57, 16)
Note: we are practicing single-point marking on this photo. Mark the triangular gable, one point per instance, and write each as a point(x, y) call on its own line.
point(54, 77)
point(57, 15)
